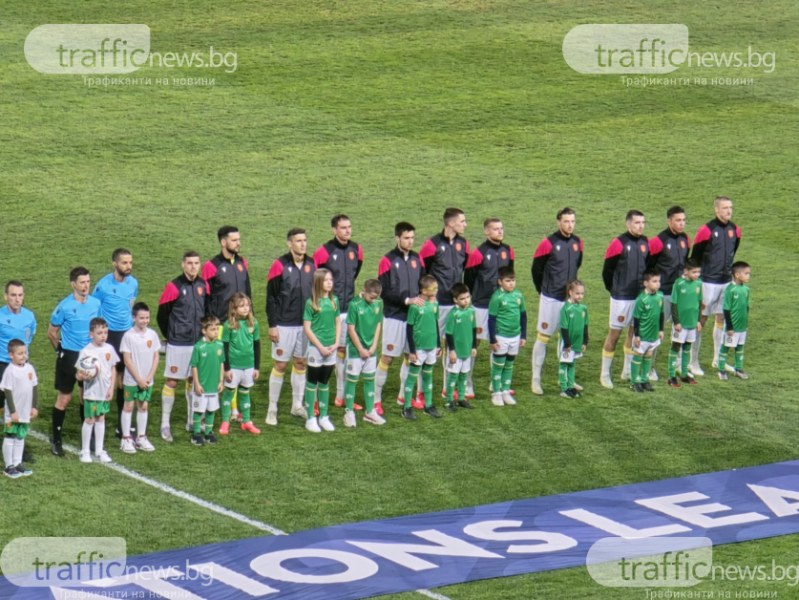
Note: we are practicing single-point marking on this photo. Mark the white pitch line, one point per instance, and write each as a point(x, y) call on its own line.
point(173, 491)
point(198, 501)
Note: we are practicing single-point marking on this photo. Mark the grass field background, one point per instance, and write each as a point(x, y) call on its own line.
point(391, 111)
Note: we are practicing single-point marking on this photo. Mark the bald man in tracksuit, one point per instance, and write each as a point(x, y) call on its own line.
point(715, 245)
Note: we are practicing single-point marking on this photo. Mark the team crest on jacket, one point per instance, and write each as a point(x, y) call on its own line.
point(413, 263)
point(240, 267)
point(643, 248)
point(682, 244)
point(458, 246)
point(199, 291)
point(351, 255)
point(729, 233)
point(503, 255)
point(307, 268)
point(575, 247)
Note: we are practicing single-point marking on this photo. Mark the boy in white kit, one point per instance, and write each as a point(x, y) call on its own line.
point(140, 347)
point(96, 368)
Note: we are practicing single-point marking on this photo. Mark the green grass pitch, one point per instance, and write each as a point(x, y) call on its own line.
point(392, 110)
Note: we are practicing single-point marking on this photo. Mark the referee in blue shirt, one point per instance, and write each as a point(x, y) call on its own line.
point(69, 333)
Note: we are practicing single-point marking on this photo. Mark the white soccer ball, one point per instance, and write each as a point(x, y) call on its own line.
point(90, 366)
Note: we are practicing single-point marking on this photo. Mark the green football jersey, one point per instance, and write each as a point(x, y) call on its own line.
point(736, 300)
point(686, 297)
point(574, 318)
point(461, 323)
point(424, 320)
point(240, 340)
point(208, 357)
point(648, 308)
point(323, 321)
point(507, 307)
point(365, 317)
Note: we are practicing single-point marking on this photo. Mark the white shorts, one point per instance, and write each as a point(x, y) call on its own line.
point(713, 298)
point(666, 309)
point(548, 315)
point(481, 315)
point(315, 358)
point(508, 345)
point(621, 313)
point(683, 336)
point(291, 343)
point(394, 338)
point(738, 338)
point(567, 357)
point(342, 338)
point(425, 357)
point(462, 365)
point(241, 378)
point(356, 366)
point(178, 362)
point(204, 402)
point(443, 311)
point(645, 347)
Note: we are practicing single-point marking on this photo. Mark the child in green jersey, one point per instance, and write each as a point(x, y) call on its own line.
point(736, 319)
point(241, 339)
point(321, 323)
point(647, 330)
point(686, 303)
point(507, 332)
point(573, 336)
point(461, 334)
point(207, 372)
point(424, 346)
point(364, 324)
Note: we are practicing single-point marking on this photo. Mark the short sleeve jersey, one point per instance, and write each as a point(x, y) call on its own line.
point(241, 350)
point(736, 300)
point(686, 298)
point(142, 346)
point(574, 319)
point(20, 381)
point(648, 308)
point(208, 358)
point(21, 326)
point(323, 321)
point(507, 307)
point(424, 320)
point(364, 317)
point(73, 318)
point(97, 389)
point(116, 300)
point(461, 323)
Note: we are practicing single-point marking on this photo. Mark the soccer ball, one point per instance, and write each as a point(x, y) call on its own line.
point(89, 366)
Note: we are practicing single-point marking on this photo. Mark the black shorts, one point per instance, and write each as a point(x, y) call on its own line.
point(115, 339)
point(3, 366)
point(65, 372)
